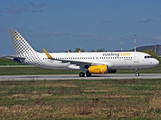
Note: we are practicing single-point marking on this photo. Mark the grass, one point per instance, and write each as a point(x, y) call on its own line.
point(33, 71)
point(79, 100)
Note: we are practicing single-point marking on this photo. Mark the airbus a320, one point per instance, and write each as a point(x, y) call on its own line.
point(88, 62)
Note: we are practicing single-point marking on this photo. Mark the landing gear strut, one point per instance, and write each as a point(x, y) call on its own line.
point(137, 72)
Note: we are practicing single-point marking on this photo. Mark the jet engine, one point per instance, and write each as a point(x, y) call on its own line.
point(100, 69)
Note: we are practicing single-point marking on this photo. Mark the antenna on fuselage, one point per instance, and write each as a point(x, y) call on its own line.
point(135, 43)
point(121, 44)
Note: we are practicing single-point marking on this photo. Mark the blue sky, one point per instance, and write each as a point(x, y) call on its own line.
point(59, 25)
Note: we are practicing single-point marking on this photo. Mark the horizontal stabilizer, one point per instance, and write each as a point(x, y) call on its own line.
point(12, 57)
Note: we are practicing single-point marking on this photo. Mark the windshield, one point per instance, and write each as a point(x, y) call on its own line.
point(148, 57)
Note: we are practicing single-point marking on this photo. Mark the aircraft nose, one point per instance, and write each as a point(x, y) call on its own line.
point(155, 62)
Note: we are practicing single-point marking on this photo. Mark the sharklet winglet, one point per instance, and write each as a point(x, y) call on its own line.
point(47, 54)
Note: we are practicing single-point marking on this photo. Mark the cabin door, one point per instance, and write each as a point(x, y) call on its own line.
point(136, 58)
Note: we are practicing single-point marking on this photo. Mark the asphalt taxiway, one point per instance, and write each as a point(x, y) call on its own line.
point(76, 77)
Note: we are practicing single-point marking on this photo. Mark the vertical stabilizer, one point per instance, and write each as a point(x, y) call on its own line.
point(20, 45)
point(24, 50)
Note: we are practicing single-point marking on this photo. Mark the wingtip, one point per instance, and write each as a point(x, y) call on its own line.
point(47, 54)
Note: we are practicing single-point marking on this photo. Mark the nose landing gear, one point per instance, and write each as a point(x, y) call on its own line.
point(137, 72)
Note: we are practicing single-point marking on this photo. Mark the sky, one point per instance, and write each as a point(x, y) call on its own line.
point(60, 25)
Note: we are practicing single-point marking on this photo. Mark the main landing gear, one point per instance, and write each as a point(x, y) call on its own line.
point(81, 74)
point(84, 68)
point(137, 72)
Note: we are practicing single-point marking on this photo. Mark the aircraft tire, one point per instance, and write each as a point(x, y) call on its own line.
point(88, 74)
point(81, 74)
point(137, 74)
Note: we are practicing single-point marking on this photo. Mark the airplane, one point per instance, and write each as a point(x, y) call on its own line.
point(88, 62)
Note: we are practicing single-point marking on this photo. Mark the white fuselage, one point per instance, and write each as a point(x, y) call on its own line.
point(114, 60)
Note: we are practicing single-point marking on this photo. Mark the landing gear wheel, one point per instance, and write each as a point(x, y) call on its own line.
point(137, 74)
point(81, 74)
point(88, 74)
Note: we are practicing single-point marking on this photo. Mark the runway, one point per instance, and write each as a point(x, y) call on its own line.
point(76, 77)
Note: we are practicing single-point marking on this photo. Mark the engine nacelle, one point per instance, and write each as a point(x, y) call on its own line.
point(100, 69)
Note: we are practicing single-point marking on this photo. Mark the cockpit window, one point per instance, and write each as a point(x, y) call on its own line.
point(148, 57)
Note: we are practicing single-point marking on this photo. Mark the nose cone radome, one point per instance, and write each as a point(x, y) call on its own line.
point(155, 62)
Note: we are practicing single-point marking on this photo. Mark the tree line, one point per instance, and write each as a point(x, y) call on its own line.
point(150, 51)
point(82, 50)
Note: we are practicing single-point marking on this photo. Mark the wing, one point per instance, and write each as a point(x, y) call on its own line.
point(79, 63)
point(64, 61)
